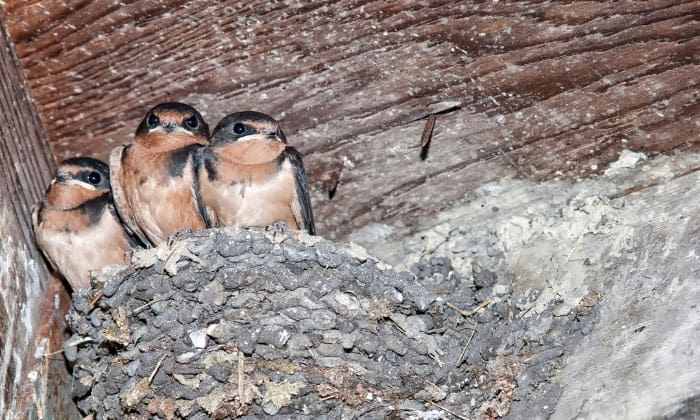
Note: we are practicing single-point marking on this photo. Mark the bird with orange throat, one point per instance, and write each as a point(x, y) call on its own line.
point(76, 225)
point(250, 176)
point(153, 177)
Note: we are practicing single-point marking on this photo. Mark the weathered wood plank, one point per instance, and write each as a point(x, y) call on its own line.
point(24, 163)
point(545, 89)
point(29, 322)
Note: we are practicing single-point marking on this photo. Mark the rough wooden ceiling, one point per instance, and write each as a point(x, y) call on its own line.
point(535, 89)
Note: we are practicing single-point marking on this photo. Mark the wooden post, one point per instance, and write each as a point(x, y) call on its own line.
point(28, 319)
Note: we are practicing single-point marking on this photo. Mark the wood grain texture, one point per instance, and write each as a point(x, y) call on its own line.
point(26, 166)
point(534, 89)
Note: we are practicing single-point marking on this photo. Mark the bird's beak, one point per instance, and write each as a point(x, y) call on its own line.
point(63, 177)
point(169, 126)
point(274, 134)
point(259, 136)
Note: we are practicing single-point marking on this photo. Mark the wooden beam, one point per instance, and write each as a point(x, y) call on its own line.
point(527, 89)
point(26, 166)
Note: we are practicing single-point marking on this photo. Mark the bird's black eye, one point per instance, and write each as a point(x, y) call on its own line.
point(153, 120)
point(239, 128)
point(192, 122)
point(94, 178)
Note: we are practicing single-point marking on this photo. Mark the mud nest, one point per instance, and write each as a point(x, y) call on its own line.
point(224, 323)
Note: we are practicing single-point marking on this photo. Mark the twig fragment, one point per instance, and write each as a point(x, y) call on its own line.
point(240, 376)
point(464, 350)
point(155, 370)
point(95, 299)
point(154, 301)
point(578, 242)
point(398, 327)
point(435, 357)
point(447, 410)
point(428, 131)
point(69, 343)
point(240, 384)
point(427, 136)
point(464, 313)
point(53, 353)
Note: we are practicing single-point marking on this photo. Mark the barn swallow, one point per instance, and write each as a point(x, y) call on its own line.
point(153, 177)
point(249, 176)
point(76, 225)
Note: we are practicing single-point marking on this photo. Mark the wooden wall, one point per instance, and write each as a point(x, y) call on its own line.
point(30, 300)
point(535, 89)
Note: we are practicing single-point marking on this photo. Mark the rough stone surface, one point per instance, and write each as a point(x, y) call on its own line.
point(297, 325)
